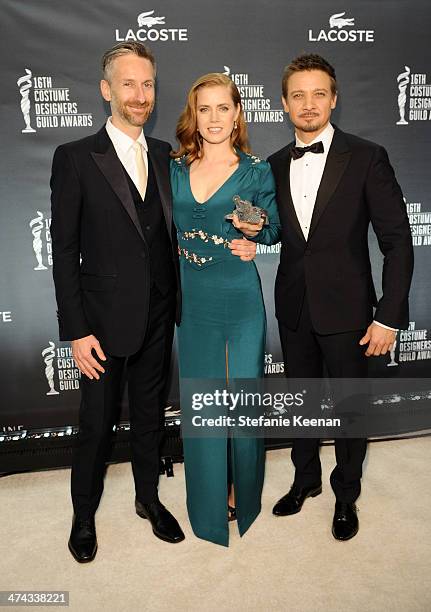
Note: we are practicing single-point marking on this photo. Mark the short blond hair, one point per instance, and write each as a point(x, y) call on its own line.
point(137, 48)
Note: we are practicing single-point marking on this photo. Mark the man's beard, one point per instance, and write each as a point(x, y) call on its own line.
point(129, 117)
point(310, 127)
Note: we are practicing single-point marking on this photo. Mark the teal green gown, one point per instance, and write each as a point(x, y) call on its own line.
point(221, 335)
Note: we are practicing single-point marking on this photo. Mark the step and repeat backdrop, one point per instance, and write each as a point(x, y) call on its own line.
point(50, 94)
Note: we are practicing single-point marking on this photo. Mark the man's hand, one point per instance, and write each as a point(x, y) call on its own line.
point(379, 339)
point(249, 229)
point(81, 351)
point(244, 249)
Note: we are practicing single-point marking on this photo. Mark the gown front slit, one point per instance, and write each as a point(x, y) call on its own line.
point(221, 336)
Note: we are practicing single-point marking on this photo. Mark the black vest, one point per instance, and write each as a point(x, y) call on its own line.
point(153, 225)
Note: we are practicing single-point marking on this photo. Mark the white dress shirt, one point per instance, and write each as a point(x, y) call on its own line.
point(123, 146)
point(305, 177)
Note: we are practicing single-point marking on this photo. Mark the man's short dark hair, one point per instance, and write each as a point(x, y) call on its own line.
point(308, 61)
point(137, 48)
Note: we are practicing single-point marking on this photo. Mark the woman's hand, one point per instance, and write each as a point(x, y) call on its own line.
point(249, 229)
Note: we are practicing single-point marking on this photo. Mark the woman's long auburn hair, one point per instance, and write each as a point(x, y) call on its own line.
point(189, 139)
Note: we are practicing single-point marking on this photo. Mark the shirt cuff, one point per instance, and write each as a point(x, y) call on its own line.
point(385, 326)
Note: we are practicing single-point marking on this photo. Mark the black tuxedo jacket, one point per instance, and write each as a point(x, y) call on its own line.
point(94, 218)
point(333, 266)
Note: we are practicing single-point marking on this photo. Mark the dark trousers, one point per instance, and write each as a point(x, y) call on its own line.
point(306, 355)
point(146, 373)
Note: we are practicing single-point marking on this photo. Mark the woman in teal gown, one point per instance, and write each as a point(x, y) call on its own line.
point(223, 323)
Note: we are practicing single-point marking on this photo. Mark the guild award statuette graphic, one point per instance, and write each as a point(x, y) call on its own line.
point(403, 79)
point(246, 212)
point(36, 225)
point(392, 355)
point(24, 84)
point(48, 355)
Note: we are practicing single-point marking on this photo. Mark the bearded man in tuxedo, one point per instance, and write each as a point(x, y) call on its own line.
point(330, 186)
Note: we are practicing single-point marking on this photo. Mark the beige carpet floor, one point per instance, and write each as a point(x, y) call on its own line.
point(281, 564)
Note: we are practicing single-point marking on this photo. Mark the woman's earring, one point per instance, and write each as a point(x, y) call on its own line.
point(235, 125)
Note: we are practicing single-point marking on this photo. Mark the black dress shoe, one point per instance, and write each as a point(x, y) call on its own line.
point(83, 541)
point(292, 502)
point(345, 524)
point(165, 526)
point(231, 513)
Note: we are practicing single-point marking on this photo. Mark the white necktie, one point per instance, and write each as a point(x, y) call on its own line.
point(141, 170)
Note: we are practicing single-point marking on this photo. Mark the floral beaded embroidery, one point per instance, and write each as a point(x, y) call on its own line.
point(193, 257)
point(205, 237)
point(255, 159)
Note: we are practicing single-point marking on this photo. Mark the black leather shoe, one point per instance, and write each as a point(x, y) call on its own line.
point(292, 502)
point(165, 526)
point(83, 541)
point(345, 524)
point(231, 513)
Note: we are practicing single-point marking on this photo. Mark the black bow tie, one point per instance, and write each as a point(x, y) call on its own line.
point(297, 152)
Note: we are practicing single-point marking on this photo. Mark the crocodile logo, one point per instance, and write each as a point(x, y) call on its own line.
point(337, 21)
point(146, 19)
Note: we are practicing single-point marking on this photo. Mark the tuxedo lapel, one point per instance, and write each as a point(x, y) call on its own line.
point(284, 188)
point(161, 172)
point(108, 163)
point(336, 163)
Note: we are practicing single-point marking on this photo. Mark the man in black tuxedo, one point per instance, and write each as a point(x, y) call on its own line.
point(112, 208)
point(330, 186)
